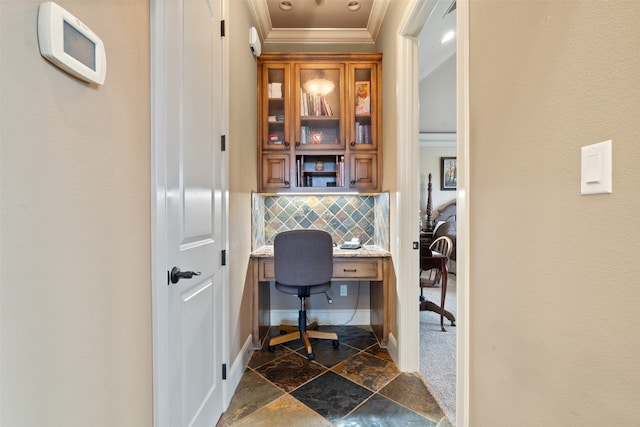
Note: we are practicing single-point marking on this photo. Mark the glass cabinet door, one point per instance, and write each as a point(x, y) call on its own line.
point(319, 122)
point(275, 105)
point(318, 96)
point(363, 110)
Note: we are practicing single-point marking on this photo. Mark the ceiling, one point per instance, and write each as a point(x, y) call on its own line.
point(331, 21)
point(319, 21)
point(431, 51)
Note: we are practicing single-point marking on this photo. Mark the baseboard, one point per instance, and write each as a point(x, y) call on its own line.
point(234, 374)
point(392, 348)
point(323, 317)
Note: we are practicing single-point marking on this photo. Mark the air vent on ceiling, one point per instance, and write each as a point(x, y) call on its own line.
point(450, 8)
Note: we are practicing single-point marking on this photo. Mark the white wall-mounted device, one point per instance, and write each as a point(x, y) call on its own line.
point(68, 43)
point(596, 168)
point(254, 42)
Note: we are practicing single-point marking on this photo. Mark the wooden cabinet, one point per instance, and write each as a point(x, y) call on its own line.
point(275, 171)
point(364, 170)
point(319, 122)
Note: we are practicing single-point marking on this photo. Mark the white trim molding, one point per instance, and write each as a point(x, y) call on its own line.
point(323, 317)
point(463, 338)
point(438, 139)
point(407, 129)
point(234, 374)
point(405, 257)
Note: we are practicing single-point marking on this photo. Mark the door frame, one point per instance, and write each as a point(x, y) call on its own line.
point(159, 267)
point(408, 188)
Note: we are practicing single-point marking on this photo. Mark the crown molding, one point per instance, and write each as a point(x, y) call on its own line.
point(438, 139)
point(319, 35)
point(366, 35)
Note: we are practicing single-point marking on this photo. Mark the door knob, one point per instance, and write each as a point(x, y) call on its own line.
point(176, 274)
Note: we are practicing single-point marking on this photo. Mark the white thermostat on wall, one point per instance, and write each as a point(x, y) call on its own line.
point(68, 43)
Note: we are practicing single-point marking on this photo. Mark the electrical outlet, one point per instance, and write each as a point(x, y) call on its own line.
point(343, 290)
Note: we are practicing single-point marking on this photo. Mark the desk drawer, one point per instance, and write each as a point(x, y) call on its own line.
point(363, 269)
point(343, 269)
point(266, 271)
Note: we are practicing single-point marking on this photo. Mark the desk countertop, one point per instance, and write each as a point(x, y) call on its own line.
point(366, 251)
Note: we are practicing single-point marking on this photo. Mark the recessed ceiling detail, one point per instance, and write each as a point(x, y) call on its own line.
point(354, 5)
point(285, 5)
point(319, 21)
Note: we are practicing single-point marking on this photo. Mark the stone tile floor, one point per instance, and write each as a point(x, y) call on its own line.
point(356, 384)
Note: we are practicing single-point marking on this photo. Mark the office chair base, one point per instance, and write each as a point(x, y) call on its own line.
point(304, 335)
point(286, 328)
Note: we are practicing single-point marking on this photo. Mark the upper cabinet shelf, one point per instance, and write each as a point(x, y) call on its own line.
point(319, 110)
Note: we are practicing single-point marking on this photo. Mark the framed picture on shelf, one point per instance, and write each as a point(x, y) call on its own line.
point(448, 173)
point(363, 98)
point(315, 138)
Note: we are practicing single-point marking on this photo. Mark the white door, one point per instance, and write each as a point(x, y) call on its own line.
point(188, 101)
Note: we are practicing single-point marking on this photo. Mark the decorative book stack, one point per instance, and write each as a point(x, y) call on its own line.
point(275, 90)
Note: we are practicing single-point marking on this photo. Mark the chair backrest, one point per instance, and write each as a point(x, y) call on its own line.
point(303, 257)
point(443, 245)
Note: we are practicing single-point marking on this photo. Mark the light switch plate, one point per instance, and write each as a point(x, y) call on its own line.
point(596, 168)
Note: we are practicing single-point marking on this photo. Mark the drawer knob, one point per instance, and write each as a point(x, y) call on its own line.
point(349, 270)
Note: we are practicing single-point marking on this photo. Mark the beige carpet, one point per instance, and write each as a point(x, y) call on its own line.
point(438, 351)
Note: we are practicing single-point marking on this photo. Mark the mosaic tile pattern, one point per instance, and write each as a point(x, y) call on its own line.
point(356, 384)
point(343, 216)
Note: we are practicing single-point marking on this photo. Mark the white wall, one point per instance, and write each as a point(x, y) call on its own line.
point(437, 115)
point(430, 162)
point(75, 281)
point(438, 99)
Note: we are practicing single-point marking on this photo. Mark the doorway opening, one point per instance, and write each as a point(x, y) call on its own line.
point(437, 170)
point(408, 130)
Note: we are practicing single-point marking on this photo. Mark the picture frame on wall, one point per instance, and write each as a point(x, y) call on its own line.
point(448, 173)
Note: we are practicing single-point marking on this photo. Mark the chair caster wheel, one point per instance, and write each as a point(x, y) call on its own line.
point(311, 356)
point(336, 343)
point(271, 349)
point(422, 299)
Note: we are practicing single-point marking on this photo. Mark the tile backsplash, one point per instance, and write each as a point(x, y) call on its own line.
point(343, 216)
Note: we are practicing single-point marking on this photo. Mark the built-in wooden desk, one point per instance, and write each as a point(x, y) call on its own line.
point(370, 263)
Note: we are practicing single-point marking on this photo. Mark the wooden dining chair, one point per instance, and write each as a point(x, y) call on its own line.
point(433, 267)
point(432, 277)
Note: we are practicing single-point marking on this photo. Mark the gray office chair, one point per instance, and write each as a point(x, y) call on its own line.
point(303, 264)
